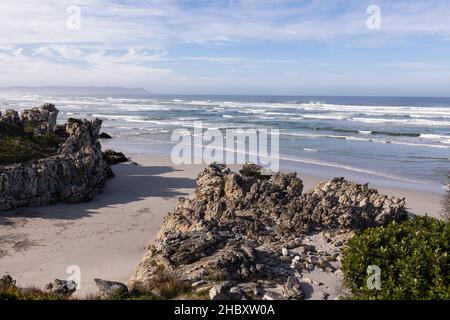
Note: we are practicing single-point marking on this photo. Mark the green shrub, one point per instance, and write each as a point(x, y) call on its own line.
point(414, 258)
point(29, 127)
point(446, 201)
point(17, 145)
point(49, 140)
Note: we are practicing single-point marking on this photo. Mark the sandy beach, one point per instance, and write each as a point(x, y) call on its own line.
point(106, 237)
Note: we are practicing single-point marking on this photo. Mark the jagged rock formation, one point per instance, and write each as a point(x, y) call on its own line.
point(11, 117)
point(76, 172)
point(246, 228)
point(42, 120)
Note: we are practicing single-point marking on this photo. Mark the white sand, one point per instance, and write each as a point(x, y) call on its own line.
point(106, 237)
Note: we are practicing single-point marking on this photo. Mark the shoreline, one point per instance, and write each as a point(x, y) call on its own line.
point(307, 167)
point(106, 237)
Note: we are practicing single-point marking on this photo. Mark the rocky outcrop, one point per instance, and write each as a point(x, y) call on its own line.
point(11, 117)
point(76, 172)
point(247, 228)
point(42, 120)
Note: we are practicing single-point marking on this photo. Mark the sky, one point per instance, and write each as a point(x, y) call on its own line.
point(276, 47)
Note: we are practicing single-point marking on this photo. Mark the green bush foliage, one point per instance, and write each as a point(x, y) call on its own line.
point(446, 201)
point(414, 258)
point(17, 145)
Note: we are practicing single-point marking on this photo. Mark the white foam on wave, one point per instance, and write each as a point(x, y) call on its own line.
point(350, 168)
point(325, 107)
point(141, 107)
point(360, 139)
point(320, 163)
point(416, 122)
point(324, 117)
point(202, 103)
point(253, 111)
point(310, 150)
point(120, 117)
point(437, 137)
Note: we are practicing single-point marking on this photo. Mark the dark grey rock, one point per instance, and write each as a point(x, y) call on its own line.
point(113, 157)
point(104, 135)
point(62, 287)
point(110, 289)
point(7, 281)
point(11, 117)
point(292, 289)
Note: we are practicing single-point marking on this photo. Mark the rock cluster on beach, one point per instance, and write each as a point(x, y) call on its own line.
point(245, 235)
point(114, 157)
point(76, 172)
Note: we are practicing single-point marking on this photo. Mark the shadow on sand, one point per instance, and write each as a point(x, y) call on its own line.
point(131, 183)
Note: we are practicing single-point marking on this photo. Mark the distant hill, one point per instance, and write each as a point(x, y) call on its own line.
point(59, 90)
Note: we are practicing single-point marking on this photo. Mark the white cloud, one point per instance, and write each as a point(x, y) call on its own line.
point(130, 43)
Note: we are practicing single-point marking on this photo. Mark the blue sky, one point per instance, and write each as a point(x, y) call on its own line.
point(295, 47)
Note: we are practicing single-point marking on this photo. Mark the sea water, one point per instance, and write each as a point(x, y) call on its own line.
point(403, 139)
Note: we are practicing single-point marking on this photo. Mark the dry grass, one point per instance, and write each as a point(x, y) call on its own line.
point(11, 292)
point(165, 286)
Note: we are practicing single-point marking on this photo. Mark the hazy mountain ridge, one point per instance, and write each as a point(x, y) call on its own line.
point(63, 90)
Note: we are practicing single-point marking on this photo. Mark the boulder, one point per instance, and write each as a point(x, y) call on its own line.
point(221, 291)
point(7, 281)
point(113, 157)
point(292, 289)
point(61, 287)
point(104, 135)
point(111, 289)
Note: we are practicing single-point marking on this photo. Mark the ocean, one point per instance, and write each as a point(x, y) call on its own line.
point(397, 139)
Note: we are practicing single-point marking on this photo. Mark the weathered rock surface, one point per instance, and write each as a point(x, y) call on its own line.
point(76, 173)
point(248, 228)
point(7, 281)
point(11, 117)
point(114, 157)
point(104, 135)
point(110, 289)
point(61, 287)
point(42, 119)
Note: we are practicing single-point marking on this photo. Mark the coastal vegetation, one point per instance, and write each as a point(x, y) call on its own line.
point(163, 287)
point(18, 144)
point(413, 256)
point(9, 291)
point(446, 201)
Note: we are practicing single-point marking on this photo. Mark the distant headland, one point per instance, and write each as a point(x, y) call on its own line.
point(63, 90)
